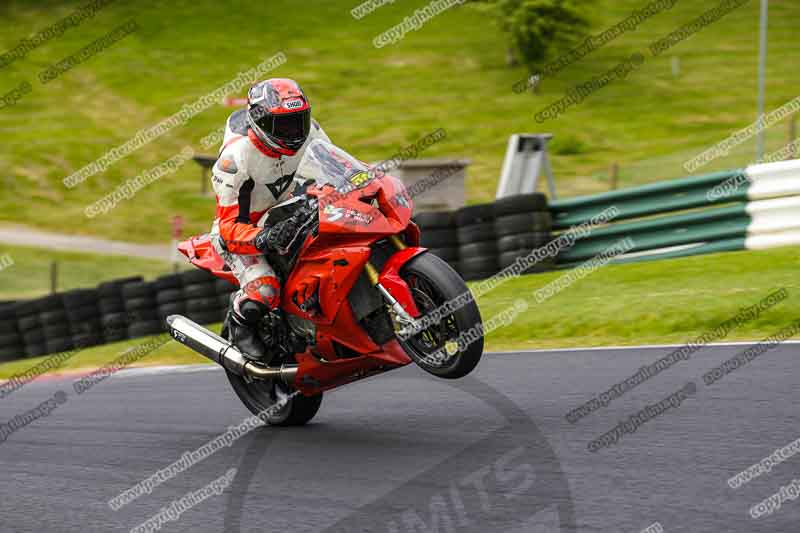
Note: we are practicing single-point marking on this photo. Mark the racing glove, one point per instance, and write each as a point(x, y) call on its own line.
point(276, 237)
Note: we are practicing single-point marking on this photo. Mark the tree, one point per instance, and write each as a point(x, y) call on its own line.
point(542, 29)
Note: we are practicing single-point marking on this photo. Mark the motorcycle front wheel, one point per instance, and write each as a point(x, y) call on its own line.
point(451, 345)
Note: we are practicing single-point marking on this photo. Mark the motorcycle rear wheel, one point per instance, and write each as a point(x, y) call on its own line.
point(281, 407)
point(452, 348)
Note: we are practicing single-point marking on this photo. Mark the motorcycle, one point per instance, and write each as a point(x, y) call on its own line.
point(357, 299)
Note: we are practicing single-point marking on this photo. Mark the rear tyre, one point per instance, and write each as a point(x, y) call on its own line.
point(262, 395)
point(452, 348)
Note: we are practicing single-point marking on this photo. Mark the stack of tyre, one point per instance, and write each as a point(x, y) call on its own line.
point(30, 329)
point(169, 297)
point(477, 243)
point(11, 343)
point(81, 311)
point(141, 309)
point(438, 234)
point(113, 316)
point(202, 301)
point(522, 223)
point(224, 291)
point(56, 326)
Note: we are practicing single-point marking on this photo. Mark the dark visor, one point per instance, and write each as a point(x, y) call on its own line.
point(291, 126)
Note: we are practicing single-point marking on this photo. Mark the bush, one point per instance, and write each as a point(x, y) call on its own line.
point(542, 29)
point(567, 145)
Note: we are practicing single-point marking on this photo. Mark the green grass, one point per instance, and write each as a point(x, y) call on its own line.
point(669, 301)
point(29, 276)
point(450, 74)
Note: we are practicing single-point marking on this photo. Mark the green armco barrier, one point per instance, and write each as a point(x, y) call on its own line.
point(661, 197)
point(726, 245)
point(675, 230)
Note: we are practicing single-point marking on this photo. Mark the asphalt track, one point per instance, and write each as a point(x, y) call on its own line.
point(407, 452)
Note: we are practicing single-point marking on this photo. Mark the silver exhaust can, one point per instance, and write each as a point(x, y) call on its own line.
point(222, 352)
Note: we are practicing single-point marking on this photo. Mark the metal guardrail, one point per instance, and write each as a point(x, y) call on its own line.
point(761, 210)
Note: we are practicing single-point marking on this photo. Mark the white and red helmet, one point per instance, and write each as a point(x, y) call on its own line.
point(279, 114)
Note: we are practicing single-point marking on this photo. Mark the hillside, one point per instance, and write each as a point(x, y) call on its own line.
point(451, 74)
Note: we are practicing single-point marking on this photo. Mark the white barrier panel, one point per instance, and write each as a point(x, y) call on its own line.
point(774, 180)
point(775, 215)
point(772, 240)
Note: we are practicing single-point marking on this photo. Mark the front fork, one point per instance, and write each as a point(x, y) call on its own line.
point(393, 288)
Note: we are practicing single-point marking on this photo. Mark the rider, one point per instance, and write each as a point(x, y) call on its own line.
point(261, 150)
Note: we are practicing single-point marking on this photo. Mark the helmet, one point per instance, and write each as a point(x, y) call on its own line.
point(279, 114)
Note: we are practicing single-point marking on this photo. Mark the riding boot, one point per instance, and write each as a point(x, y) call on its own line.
point(244, 334)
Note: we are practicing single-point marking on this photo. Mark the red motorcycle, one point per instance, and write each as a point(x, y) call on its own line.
point(358, 296)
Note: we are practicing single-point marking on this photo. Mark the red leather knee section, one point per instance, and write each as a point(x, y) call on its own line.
point(266, 290)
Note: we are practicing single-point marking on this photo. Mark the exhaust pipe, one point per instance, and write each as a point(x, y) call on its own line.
point(224, 353)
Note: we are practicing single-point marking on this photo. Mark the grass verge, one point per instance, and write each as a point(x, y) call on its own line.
point(29, 275)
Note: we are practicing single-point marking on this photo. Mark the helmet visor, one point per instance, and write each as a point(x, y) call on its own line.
point(286, 127)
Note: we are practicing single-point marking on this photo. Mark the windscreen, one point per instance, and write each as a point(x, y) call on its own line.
point(326, 163)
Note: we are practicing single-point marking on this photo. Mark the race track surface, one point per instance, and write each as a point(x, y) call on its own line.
point(406, 452)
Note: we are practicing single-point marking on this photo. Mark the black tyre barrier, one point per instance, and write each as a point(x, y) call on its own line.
point(28, 323)
point(111, 305)
point(53, 317)
point(438, 238)
point(191, 277)
point(522, 241)
point(507, 259)
point(87, 340)
point(435, 219)
point(521, 203)
point(120, 335)
point(522, 223)
point(224, 300)
point(12, 353)
point(59, 344)
point(144, 328)
point(169, 296)
point(27, 308)
point(113, 289)
point(479, 263)
point(483, 231)
point(8, 326)
point(199, 290)
point(79, 298)
point(54, 330)
point(137, 304)
point(225, 287)
point(201, 305)
point(114, 321)
point(79, 314)
point(35, 350)
point(12, 339)
point(474, 214)
point(173, 308)
point(170, 281)
point(8, 312)
point(206, 317)
point(450, 255)
point(484, 248)
point(138, 289)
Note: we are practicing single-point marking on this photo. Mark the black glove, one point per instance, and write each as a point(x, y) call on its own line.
point(278, 236)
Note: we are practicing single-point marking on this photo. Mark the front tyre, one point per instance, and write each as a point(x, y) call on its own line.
point(451, 346)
